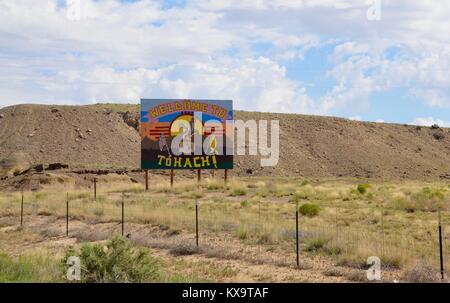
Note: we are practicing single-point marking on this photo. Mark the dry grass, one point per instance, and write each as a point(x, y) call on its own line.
point(396, 221)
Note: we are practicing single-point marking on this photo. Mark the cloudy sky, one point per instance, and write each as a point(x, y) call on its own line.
point(379, 60)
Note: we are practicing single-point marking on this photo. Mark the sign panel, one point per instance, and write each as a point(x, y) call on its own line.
point(186, 134)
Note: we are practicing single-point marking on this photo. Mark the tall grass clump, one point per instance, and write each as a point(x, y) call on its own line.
point(117, 261)
point(238, 191)
point(28, 269)
point(427, 200)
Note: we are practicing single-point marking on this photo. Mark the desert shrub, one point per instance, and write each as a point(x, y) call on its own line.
point(316, 243)
point(101, 198)
point(135, 190)
point(282, 190)
point(332, 249)
point(428, 194)
point(354, 193)
point(435, 126)
point(420, 274)
point(425, 200)
point(244, 203)
point(81, 195)
point(238, 192)
point(41, 195)
point(362, 188)
point(309, 209)
point(438, 135)
point(266, 237)
point(243, 233)
point(183, 249)
point(304, 193)
point(333, 272)
point(17, 172)
point(98, 212)
point(212, 185)
point(196, 195)
point(392, 260)
point(357, 276)
point(353, 259)
point(117, 261)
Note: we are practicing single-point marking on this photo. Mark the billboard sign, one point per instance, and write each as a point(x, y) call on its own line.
point(186, 134)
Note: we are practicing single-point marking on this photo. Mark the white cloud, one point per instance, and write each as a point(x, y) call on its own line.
point(429, 121)
point(434, 97)
point(253, 83)
point(123, 51)
point(355, 118)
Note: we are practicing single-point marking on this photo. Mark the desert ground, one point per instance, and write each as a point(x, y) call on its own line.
point(361, 189)
point(246, 227)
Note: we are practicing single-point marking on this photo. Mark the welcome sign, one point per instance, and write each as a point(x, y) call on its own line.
point(186, 134)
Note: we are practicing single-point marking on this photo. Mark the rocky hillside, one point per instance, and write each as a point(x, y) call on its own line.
point(101, 136)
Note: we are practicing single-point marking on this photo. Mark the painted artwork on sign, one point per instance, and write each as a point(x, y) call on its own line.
point(186, 134)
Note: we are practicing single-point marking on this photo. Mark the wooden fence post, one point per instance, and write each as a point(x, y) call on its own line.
point(441, 256)
point(296, 235)
point(196, 222)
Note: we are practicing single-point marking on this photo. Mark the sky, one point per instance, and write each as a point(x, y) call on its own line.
point(377, 60)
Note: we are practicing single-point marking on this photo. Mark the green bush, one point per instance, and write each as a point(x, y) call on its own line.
point(244, 203)
point(117, 261)
point(362, 188)
point(309, 209)
point(238, 192)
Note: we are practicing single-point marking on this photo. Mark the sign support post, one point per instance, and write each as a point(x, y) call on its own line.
point(196, 222)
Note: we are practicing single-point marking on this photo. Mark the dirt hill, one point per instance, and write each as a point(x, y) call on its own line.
point(100, 136)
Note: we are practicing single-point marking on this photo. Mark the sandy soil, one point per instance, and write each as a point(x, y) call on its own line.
point(248, 263)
